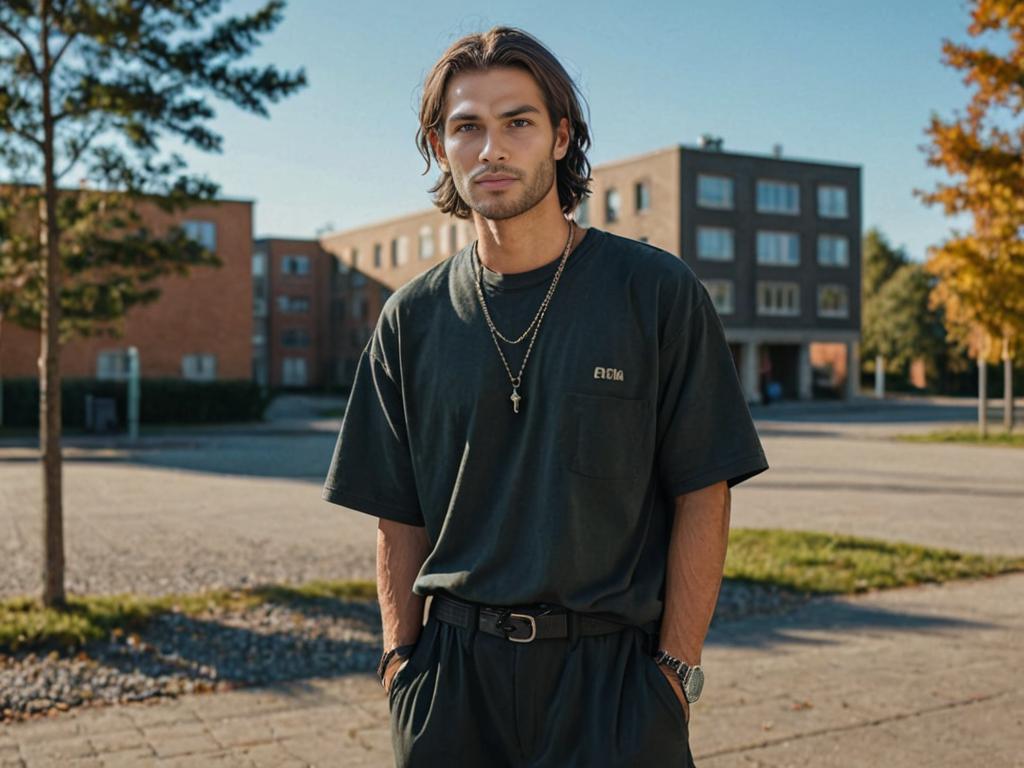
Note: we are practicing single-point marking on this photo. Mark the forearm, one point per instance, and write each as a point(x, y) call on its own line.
point(696, 559)
point(401, 550)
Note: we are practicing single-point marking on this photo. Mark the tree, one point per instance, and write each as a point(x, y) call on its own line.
point(898, 324)
point(73, 74)
point(981, 273)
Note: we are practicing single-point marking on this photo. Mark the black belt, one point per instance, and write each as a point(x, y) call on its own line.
point(526, 623)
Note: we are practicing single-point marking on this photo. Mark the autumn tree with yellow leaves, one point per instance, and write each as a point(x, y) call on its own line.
point(980, 273)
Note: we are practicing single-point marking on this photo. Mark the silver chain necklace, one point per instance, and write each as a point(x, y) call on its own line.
point(537, 320)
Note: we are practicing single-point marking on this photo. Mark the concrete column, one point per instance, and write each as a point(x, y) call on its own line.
point(852, 369)
point(750, 367)
point(804, 373)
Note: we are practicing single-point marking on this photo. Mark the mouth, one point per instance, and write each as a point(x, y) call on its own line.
point(496, 183)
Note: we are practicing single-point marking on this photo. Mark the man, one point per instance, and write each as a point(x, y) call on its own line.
point(561, 492)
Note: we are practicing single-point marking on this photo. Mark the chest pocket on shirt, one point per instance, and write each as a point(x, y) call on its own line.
point(603, 436)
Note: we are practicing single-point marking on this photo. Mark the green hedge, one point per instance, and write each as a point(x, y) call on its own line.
point(162, 401)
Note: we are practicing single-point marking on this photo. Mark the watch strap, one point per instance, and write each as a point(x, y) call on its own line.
point(402, 651)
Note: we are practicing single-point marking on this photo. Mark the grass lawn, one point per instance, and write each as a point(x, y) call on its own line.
point(817, 563)
point(968, 435)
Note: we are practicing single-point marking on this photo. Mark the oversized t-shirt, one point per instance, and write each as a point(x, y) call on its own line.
point(630, 397)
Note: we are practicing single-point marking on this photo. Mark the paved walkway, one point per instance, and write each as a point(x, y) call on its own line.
point(912, 677)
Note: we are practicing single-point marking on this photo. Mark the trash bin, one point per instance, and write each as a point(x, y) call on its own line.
point(100, 414)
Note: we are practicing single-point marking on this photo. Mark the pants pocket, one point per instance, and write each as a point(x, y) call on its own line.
point(665, 689)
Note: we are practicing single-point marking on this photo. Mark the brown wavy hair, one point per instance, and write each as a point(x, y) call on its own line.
point(508, 47)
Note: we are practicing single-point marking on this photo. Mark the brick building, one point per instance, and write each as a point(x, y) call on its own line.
point(201, 326)
point(775, 240)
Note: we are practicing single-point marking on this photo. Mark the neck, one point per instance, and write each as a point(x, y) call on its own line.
point(525, 242)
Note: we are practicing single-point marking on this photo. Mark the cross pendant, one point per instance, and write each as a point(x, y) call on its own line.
point(515, 400)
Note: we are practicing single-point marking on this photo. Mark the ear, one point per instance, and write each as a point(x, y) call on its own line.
point(561, 148)
point(438, 146)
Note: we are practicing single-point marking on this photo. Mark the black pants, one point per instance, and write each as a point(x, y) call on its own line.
point(469, 698)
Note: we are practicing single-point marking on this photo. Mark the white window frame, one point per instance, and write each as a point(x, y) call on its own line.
point(199, 366)
point(777, 196)
point(776, 290)
point(295, 264)
point(642, 195)
point(426, 242)
point(843, 311)
point(715, 201)
point(769, 255)
point(112, 365)
point(728, 304)
point(843, 253)
point(726, 234)
point(612, 205)
point(833, 201)
point(259, 264)
point(203, 231)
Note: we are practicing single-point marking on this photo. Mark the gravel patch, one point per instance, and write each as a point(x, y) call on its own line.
point(222, 649)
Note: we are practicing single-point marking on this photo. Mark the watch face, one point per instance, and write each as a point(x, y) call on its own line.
point(694, 684)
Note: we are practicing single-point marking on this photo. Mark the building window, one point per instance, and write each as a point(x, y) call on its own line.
point(833, 251)
point(295, 337)
point(612, 205)
point(721, 293)
point(403, 249)
point(714, 191)
point(642, 196)
point(293, 371)
point(293, 303)
point(583, 213)
point(203, 232)
point(376, 255)
point(832, 201)
point(394, 252)
point(295, 265)
point(112, 364)
point(781, 299)
point(354, 258)
point(777, 196)
point(199, 367)
point(778, 248)
point(833, 301)
point(715, 243)
point(426, 242)
point(259, 264)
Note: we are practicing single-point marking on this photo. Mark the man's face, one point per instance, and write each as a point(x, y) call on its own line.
point(496, 123)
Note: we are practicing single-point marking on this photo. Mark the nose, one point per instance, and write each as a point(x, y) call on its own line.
point(492, 151)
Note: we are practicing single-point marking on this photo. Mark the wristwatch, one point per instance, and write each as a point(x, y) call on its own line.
point(692, 678)
point(401, 651)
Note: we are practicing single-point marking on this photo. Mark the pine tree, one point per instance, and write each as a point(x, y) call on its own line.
point(92, 86)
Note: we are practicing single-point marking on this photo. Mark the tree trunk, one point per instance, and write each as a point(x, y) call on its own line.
point(982, 396)
point(49, 353)
point(1008, 415)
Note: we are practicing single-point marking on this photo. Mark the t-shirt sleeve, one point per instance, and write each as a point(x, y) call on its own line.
point(705, 433)
point(371, 469)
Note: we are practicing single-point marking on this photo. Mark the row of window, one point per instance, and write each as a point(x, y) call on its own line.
point(430, 243)
point(773, 247)
point(780, 299)
point(772, 196)
point(112, 364)
point(613, 204)
point(296, 264)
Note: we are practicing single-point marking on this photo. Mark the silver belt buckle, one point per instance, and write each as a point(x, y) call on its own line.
point(533, 628)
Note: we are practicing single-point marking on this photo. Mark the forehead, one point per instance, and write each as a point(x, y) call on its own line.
point(491, 90)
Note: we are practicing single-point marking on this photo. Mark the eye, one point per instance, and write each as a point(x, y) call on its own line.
point(464, 125)
point(521, 120)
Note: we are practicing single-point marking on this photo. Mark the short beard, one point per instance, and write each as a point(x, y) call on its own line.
point(497, 209)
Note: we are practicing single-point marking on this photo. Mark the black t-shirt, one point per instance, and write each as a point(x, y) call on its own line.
point(629, 397)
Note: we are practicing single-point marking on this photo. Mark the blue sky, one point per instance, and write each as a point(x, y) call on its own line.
point(829, 80)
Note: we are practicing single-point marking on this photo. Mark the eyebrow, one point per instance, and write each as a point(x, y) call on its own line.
point(521, 110)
